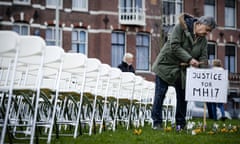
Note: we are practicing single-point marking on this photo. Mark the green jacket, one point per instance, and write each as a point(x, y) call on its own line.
point(180, 48)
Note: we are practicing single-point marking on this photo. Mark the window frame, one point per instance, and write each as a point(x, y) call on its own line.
point(214, 6)
point(25, 2)
point(53, 6)
point(143, 46)
point(234, 16)
point(84, 9)
point(228, 65)
point(122, 45)
point(20, 26)
point(53, 29)
point(215, 50)
point(176, 4)
point(78, 41)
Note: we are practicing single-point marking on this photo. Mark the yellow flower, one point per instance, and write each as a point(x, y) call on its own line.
point(231, 131)
point(168, 129)
point(224, 130)
point(137, 131)
point(211, 132)
point(197, 130)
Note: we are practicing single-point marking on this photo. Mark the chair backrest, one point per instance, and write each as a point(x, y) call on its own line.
point(127, 85)
point(9, 42)
point(74, 61)
point(53, 54)
point(138, 88)
point(52, 67)
point(74, 69)
point(31, 45)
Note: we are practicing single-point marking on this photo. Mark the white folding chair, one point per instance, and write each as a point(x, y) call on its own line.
point(141, 96)
point(92, 83)
point(53, 65)
point(137, 109)
point(31, 51)
point(9, 48)
point(111, 92)
point(46, 109)
point(125, 99)
point(148, 101)
point(71, 90)
point(104, 81)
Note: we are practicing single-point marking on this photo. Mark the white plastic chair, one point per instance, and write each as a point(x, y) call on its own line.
point(71, 89)
point(137, 109)
point(9, 48)
point(111, 92)
point(31, 51)
point(147, 100)
point(125, 99)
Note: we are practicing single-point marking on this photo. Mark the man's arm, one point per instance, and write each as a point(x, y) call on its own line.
point(176, 41)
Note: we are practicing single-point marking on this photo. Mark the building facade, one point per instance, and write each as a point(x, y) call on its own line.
point(101, 29)
point(106, 29)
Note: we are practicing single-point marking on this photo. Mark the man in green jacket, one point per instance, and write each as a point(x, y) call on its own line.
point(186, 45)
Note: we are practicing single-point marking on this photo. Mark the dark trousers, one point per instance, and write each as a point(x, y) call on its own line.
point(214, 110)
point(160, 92)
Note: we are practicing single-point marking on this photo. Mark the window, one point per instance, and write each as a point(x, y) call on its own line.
point(142, 52)
point(172, 7)
point(51, 36)
point(211, 52)
point(171, 11)
point(209, 8)
point(230, 13)
point(132, 12)
point(81, 5)
point(22, 29)
point(79, 41)
point(22, 1)
point(118, 47)
point(131, 5)
point(52, 3)
point(230, 58)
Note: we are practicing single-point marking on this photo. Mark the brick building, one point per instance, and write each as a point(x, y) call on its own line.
point(103, 29)
point(106, 29)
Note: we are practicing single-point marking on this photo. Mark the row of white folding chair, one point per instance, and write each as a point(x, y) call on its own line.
point(131, 94)
point(77, 68)
point(45, 104)
point(48, 72)
point(28, 46)
point(31, 73)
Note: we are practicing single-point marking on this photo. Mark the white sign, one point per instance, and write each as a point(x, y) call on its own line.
point(206, 85)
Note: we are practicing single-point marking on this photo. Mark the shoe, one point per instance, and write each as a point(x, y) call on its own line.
point(223, 118)
point(180, 128)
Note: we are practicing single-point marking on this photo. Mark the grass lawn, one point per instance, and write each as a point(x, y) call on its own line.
point(228, 132)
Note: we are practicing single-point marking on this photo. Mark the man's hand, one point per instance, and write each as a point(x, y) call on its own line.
point(193, 62)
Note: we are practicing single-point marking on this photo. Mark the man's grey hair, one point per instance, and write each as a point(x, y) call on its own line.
point(209, 21)
point(127, 55)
